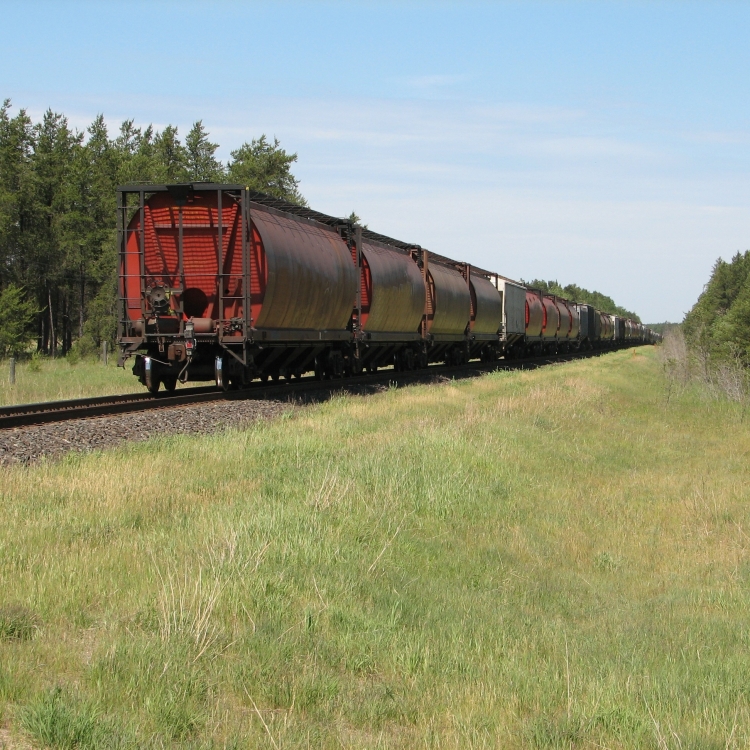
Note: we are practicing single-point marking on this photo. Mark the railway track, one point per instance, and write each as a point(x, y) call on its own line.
point(63, 411)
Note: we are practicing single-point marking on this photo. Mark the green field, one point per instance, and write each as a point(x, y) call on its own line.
point(552, 559)
point(45, 379)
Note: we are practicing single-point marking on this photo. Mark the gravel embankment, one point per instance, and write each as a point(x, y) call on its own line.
point(25, 445)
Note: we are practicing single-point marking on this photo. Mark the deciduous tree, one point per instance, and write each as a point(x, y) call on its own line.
point(267, 168)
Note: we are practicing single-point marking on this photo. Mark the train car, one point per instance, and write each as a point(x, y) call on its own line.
point(486, 322)
point(514, 315)
point(550, 322)
point(619, 325)
point(535, 321)
point(575, 324)
point(229, 289)
point(591, 326)
point(447, 311)
point(596, 321)
point(565, 326)
point(390, 304)
point(583, 325)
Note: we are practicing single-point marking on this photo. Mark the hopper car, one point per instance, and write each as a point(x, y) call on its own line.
point(220, 283)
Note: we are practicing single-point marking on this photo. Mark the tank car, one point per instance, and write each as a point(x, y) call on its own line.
point(565, 326)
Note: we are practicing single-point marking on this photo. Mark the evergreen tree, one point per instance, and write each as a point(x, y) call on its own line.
point(355, 219)
point(134, 153)
point(200, 160)
point(575, 293)
point(56, 148)
point(732, 331)
point(719, 322)
point(16, 192)
point(170, 157)
point(17, 314)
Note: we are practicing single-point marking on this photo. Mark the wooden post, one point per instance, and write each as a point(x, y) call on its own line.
point(52, 339)
point(12, 370)
point(82, 302)
point(104, 351)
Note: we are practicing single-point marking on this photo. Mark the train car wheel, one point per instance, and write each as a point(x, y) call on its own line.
point(170, 383)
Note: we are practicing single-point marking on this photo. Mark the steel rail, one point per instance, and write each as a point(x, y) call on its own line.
point(24, 415)
point(18, 415)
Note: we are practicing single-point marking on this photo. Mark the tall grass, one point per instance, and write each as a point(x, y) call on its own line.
point(718, 377)
point(46, 379)
point(59, 722)
point(556, 558)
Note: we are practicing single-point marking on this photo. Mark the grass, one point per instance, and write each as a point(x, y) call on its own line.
point(46, 379)
point(548, 559)
point(17, 621)
point(57, 722)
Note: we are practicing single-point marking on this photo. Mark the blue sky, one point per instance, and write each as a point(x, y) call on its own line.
point(606, 144)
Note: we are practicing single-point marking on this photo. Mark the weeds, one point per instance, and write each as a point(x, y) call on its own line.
point(186, 610)
point(720, 378)
point(35, 362)
point(17, 622)
point(59, 722)
point(675, 362)
point(607, 562)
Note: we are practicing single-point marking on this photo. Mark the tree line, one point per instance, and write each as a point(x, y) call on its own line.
point(711, 347)
point(718, 325)
point(58, 255)
point(575, 293)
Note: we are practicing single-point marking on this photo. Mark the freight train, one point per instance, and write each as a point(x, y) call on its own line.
point(217, 282)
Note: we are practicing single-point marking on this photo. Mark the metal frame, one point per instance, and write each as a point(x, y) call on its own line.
point(124, 321)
